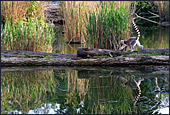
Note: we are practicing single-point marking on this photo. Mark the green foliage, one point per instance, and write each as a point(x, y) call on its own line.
point(145, 6)
point(33, 35)
point(158, 7)
point(47, 57)
point(24, 27)
point(2, 55)
point(34, 9)
point(19, 10)
point(108, 26)
point(149, 54)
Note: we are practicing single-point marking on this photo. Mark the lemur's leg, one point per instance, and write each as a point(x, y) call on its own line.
point(132, 48)
point(138, 44)
point(122, 47)
point(132, 45)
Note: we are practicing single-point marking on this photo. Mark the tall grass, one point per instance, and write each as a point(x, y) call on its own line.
point(32, 35)
point(18, 10)
point(24, 27)
point(14, 10)
point(109, 24)
point(73, 14)
point(102, 23)
point(163, 8)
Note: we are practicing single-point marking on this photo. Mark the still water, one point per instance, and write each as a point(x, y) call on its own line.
point(150, 38)
point(84, 90)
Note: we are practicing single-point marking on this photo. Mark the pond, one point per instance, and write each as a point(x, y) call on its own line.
point(150, 38)
point(85, 90)
point(88, 90)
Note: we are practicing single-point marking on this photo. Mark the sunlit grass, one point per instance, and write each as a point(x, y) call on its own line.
point(101, 23)
point(73, 14)
point(110, 23)
point(32, 35)
point(19, 10)
point(23, 27)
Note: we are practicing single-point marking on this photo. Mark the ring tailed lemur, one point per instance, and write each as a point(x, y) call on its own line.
point(138, 86)
point(133, 41)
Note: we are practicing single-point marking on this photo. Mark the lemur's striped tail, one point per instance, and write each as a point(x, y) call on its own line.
point(137, 98)
point(137, 30)
point(138, 86)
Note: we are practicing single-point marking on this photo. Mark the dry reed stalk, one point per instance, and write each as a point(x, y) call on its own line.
point(17, 10)
point(74, 11)
point(163, 8)
point(14, 9)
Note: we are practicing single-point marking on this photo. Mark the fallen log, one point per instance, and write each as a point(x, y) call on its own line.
point(33, 54)
point(56, 61)
point(29, 58)
point(87, 52)
point(150, 50)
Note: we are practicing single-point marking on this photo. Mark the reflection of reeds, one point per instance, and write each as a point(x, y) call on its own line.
point(158, 38)
point(28, 88)
point(110, 94)
point(99, 94)
point(78, 86)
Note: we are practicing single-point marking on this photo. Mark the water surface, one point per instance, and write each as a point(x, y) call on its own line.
point(84, 90)
point(150, 38)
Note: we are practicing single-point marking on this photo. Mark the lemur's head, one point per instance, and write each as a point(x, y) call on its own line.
point(123, 42)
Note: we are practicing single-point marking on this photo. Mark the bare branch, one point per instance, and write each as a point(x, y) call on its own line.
point(146, 19)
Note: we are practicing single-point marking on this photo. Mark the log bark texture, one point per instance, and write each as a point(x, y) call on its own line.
point(150, 50)
point(87, 52)
point(29, 58)
point(116, 61)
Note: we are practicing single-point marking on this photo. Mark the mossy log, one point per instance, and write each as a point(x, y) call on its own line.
point(28, 58)
point(87, 52)
point(150, 50)
point(29, 54)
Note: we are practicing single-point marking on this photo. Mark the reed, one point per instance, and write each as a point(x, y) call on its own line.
point(19, 10)
point(14, 10)
point(163, 9)
point(24, 28)
point(73, 14)
point(101, 23)
point(108, 24)
point(32, 35)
